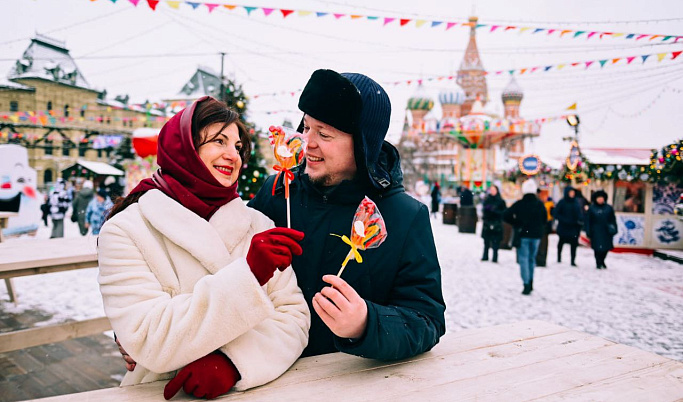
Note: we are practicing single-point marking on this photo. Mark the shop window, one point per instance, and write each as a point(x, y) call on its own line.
point(66, 110)
point(14, 106)
point(47, 177)
point(629, 197)
point(82, 147)
point(49, 105)
point(82, 112)
point(48, 147)
point(66, 148)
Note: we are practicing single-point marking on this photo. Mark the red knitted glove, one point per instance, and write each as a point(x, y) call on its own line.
point(272, 250)
point(208, 377)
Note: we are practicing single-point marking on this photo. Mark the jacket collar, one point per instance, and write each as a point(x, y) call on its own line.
point(209, 242)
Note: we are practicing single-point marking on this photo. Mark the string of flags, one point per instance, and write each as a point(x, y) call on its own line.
point(404, 22)
point(45, 117)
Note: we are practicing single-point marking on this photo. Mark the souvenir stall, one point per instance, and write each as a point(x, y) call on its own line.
point(643, 191)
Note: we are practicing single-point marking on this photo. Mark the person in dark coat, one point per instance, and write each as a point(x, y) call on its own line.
point(528, 216)
point(466, 197)
point(601, 226)
point(569, 215)
point(80, 205)
point(436, 198)
point(390, 306)
point(492, 229)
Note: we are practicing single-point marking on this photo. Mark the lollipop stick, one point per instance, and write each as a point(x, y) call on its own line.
point(346, 260)
point(289, 218)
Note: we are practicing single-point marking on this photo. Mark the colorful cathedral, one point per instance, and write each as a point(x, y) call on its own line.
point(465, 144)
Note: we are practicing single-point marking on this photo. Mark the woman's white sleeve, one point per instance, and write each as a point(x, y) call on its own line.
point(163, 331)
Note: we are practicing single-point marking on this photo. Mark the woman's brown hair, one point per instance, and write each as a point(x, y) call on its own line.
point(207, 112)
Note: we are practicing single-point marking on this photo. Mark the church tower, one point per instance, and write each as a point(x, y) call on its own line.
point(471, 75)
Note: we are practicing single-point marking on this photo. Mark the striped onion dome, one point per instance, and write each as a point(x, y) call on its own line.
point(454, 96)
point(420, 100)
point(512, 92)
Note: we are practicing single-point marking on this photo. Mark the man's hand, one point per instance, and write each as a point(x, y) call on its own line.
point(130, 363)
point(341, 308)
point(207, 377)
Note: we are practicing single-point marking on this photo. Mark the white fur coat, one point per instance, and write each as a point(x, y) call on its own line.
point(176, 288)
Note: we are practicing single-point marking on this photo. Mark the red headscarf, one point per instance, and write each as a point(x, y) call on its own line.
point(182, 174)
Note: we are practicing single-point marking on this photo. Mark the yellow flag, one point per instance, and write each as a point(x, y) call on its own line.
point(303, 13)
point(572, 107)
point(661, 56)
point(419, 23)
point(173, 4)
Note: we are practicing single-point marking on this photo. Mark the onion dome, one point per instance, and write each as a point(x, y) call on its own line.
point(512, 92)
point(454, 96)
point(420, 100)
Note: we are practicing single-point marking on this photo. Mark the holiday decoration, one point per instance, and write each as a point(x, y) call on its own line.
point(368, 230)
point(529, 164)
point(666, 164)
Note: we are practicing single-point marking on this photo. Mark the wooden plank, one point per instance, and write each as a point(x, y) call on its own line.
point(13, 273)
point(657, 383)
point(55, 333)
point(20, 254)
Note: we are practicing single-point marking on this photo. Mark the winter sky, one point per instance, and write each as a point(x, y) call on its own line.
point(150, 55)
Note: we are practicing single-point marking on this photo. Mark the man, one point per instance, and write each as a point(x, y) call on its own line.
point(528, 216)
point(390, 306)
point(569, 215)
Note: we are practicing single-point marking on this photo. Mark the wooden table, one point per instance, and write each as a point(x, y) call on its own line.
point(23, 257)
point(521, 361)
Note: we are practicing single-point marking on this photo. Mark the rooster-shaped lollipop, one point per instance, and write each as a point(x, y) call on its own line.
point(288, 149)
point(367, 231)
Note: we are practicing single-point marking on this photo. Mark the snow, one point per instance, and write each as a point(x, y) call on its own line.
point(636, 301)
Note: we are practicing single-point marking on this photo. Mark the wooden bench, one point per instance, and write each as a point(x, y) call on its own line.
point(519, 361)
point(33, 256)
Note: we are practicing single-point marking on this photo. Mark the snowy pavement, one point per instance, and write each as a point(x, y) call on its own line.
point(637, 301)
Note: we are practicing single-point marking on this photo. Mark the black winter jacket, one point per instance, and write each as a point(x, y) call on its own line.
point(569, 215)
point(529, 215)
point(597, 220)
point(400, 280)
point(493, 208)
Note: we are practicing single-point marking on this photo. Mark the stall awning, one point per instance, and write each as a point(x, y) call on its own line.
point(98, 168)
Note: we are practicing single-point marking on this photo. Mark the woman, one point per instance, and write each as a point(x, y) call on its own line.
point(436, 198)
point(569, 215)
point(492, 229)
point(191, 278)
point(601, 226)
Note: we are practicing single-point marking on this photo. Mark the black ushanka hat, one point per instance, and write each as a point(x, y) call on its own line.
point(355, 104)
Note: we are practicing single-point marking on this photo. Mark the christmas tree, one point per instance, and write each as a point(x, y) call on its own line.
point(254, 172)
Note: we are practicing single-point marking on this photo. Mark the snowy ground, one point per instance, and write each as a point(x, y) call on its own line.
point(637, 301)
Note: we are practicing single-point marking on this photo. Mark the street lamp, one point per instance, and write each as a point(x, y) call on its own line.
point(573, 121)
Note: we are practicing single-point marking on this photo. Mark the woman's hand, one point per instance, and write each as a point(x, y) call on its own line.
point(130, 363)
point(207, 377)
point(271, 250)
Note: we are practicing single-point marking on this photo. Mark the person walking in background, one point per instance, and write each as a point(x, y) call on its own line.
point(569, 215)
point(59, 203)
point(466, 197)
point(492, 229)
point(436, 198)
point(80, 204)
point(528, 216)
point(97, 211)
point(45, 208)
point(601, 226)
point(542, 255)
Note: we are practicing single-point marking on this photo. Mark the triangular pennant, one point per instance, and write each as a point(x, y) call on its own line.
point(338, 16)
point(135, 2)
point(534, 69)
point(602, 63)
point(590, 34)
point(618, 35)
point(266, 11)
point(579, 33)
point(660, 56)
point(404, 21)
point(630, 59)
point(523, 29)
point(194, 5)
point(538, 30)
point(499, 72)
point(388, 20)
point(655, 37)
point(248, 9)
point(522, 71)
point(511, 72)
point(476, 26)
point(229, 6)
point(644, 57)
point(303, 13)
point(450, 25)
point(211, 6)
point(550, 31)
point(560, 66)
point(675, 54)
point(666, 38)
point(510, 27)
point(547, 68)
point(494, 27)
point(419, 23)
point(173, 4)
point(319, 14)
point(372, 18)
point(153, 4)
point(355, 16)
point(566, 31)
point(113, 1)
point(614, 61)
point(436, 23)
point(641, 36)
point(630, 36)
point(575, 64)
point(285, 13)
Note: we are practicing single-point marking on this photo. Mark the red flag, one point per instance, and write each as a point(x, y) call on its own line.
point(675, 54)
point(404, 21)
point(153, 4)
point(285, 13)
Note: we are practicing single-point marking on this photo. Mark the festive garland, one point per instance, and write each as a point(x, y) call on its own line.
point(666, 164)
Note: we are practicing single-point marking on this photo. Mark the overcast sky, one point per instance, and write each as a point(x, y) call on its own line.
point(150, 55)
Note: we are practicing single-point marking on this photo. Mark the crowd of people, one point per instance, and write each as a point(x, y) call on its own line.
point(89, 208)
